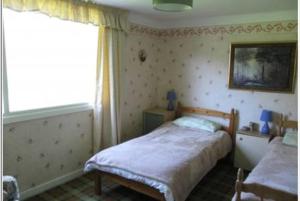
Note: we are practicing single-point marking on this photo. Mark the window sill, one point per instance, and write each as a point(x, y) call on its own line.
point(14, 117)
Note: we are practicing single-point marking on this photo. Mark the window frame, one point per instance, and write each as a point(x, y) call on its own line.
point(25, 115)
point(13, 117)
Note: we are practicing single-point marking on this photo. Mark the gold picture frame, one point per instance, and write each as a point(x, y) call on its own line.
point(269, 67)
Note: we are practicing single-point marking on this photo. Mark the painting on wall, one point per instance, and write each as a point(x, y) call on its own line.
point(263, 67)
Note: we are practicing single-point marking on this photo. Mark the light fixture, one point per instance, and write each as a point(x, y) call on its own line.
point(172, 5)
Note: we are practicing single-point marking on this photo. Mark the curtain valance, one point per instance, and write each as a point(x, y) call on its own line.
point(74, 10)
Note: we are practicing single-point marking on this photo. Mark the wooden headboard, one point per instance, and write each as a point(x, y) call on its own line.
point(207, 112)
point(283, 124)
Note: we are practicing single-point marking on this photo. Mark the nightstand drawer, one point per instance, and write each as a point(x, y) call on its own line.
point(249, 150)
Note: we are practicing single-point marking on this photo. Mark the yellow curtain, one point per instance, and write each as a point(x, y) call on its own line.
point(107, 105)
point(74, 10)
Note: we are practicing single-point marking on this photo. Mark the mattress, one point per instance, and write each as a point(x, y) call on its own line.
point(277, 169)
point(171, 159)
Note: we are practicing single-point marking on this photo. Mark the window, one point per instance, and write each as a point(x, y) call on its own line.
point(49, 62)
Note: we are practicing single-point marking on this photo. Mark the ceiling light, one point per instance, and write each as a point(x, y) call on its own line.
point(172, 5)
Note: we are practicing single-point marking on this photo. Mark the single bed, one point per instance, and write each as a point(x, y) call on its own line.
point(167, 163)
point(275, 176)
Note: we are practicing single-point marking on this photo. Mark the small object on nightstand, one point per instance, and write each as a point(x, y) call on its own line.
point(252, 126)
point(155, 117)
point(245, 128)
point(266, 116)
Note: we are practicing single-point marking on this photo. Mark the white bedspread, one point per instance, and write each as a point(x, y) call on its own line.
point(171, 159)
point(277, 169)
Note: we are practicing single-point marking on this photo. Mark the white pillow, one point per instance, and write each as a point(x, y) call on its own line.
point(197, 123)
point(291, 138)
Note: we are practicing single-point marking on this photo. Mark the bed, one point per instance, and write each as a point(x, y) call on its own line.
point(167, 163)
point(275, 176)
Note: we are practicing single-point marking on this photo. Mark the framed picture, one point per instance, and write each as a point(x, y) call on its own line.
point(263, 67)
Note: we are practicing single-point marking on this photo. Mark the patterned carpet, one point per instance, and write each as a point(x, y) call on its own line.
point(217, 185)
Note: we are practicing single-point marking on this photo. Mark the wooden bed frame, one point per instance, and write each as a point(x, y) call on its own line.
point(261, 190)
point(286, 124)
point(150, 191)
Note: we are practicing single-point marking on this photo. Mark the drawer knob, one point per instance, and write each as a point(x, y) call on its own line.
point(241, 139)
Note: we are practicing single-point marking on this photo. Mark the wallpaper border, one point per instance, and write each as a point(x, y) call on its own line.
point(264, 27)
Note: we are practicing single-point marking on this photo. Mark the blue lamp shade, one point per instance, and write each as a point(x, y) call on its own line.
point(171, 96)
point(266, 116)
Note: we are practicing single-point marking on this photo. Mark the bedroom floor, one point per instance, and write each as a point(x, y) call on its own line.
point(217, 185)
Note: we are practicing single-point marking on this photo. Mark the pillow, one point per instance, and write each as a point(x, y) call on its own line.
point(291, 138)
point(197, 123)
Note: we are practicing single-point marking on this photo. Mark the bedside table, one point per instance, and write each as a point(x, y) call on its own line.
point(153, 118)
point(250, 147)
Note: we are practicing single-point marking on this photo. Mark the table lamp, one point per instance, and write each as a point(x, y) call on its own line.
point(171, 96)
point(266, 116)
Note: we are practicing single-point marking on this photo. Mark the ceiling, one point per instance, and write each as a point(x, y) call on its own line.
point(205, 8)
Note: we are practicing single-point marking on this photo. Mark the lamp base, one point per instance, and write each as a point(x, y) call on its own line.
point(265, 129)
point(170, 106)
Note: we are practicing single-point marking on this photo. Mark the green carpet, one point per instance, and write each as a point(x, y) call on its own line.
point(217, 185)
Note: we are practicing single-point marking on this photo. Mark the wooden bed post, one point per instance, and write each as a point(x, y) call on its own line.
point(280, 125)
point(178, 110)
point(231, 125)
point(239, 184)
point(283, 124)
point(98, 185)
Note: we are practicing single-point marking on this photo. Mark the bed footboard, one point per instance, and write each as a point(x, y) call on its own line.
point(263, 192)
point(137, 186)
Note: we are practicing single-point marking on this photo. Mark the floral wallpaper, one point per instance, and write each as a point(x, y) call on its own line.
point(194, 61)
point(50, 147)
point(139, 88)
